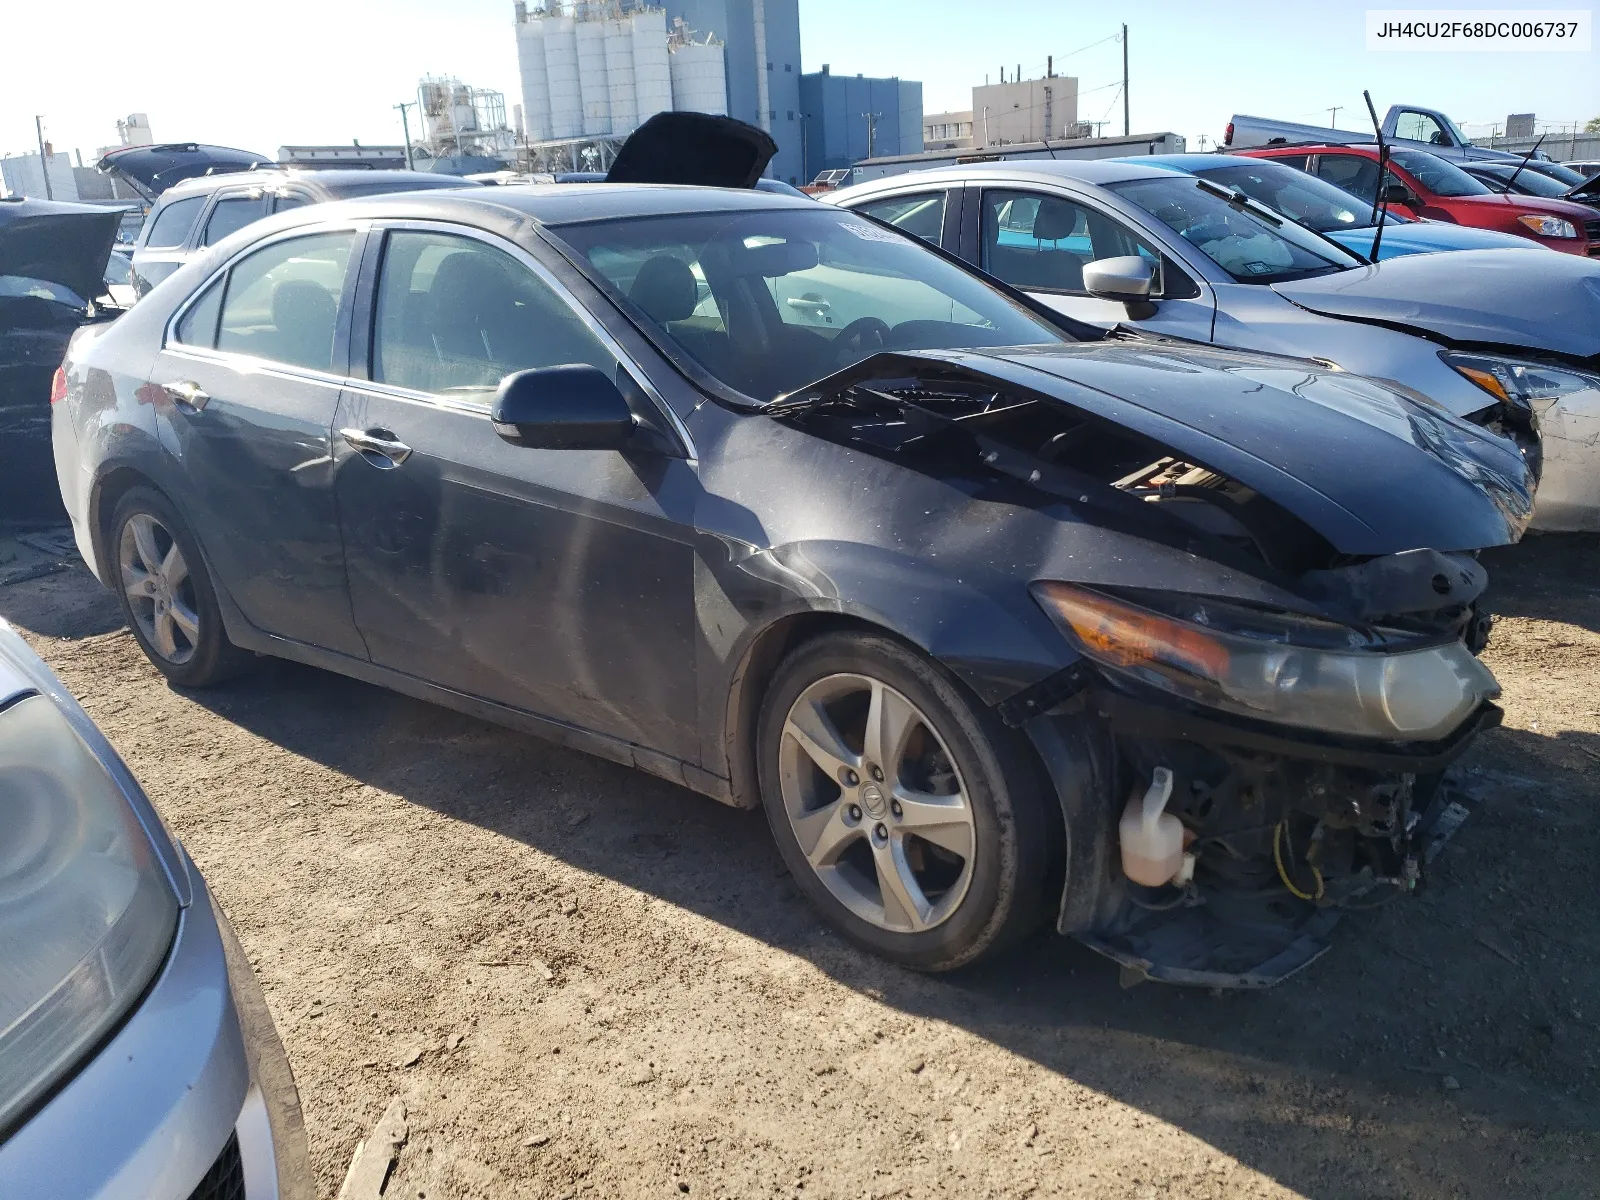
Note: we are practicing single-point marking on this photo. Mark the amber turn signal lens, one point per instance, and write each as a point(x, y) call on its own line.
point(58, 385)
point(1122, 635)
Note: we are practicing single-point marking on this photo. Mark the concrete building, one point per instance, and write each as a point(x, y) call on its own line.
point(1025, 111)
point(851, 117)
point(24, 176)
point(947, 130)
point(761, 41)
point(384, 158)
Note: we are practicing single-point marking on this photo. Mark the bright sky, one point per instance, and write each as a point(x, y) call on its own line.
point(261, 75)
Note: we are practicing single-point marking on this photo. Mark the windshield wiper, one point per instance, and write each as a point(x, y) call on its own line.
point(1237, 198)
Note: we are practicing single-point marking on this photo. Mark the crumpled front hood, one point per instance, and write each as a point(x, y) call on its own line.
point(1372, 471)
point(1548, 302)
point(66, 244)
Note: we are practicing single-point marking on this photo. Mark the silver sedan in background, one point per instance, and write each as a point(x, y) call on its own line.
point(137, 1057)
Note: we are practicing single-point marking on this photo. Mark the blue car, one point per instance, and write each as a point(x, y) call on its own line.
point(1331, 211)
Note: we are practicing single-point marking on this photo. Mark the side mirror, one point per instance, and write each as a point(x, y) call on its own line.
point(1128, 278)
point(570, 407)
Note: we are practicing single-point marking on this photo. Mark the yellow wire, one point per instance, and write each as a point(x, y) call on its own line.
point(1277, 857)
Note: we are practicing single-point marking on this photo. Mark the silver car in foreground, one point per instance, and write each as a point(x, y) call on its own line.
point(137, 1057)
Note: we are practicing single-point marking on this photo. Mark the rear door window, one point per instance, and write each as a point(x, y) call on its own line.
point(198, 326)
point(455, 315)
point(231, 214)
point(172, 224)
point(921, 215)
point(288, 200)
point(282, 301)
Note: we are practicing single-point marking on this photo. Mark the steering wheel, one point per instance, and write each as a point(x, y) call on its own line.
point(851, 342)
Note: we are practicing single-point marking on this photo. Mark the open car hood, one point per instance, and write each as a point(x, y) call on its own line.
point(66, 244)
point(1547, 302)
point(693, 148)
point(153, 169)
point(1371, 471)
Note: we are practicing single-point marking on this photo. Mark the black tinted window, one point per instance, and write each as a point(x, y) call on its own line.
point(199, 325)
point(921, 215)
point(231, 214)
point(283, 300)
point(1439, 177)
point(172, 223)
point(285, 203)
point(456, 315)
point(1351, 173)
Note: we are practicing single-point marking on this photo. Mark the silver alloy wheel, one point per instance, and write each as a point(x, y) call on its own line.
point(876, 803)
point(160, 590)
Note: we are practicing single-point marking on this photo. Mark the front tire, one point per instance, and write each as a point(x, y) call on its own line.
point(910, 816)
point(166, 594)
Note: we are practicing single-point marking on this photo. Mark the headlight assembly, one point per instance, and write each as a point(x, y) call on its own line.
point(1520, 382)
point(1272, 674)
point(86, 912)
point(1548, 226)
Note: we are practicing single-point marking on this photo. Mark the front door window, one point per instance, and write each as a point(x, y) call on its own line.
point(1041, 242)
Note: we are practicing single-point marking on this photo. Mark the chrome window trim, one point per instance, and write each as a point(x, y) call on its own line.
point(251, 365)
point(545, 276)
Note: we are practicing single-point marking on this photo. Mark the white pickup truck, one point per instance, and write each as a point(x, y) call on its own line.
point(1404, 125)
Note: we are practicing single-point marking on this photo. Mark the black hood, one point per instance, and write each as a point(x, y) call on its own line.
point(66, 244)
point(1538, 300)
point(693, 148)
point(1369, 470)
point(153, 169)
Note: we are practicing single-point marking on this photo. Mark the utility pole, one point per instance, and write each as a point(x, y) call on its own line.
point(1127, 129)
point(1333, 115)
point(872, 125)
point(44, 158)
point(1202, 142)
point(405, 124)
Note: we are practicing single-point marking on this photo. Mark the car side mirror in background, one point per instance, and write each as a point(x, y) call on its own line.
point(1128, 278)
point(571, 407)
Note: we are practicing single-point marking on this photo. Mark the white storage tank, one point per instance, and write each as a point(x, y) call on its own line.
point(652, 75)
point(619, 75)
point(561, 73)
point(592, 85)
point(699, 78)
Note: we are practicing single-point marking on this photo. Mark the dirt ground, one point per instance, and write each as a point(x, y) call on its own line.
point(585, 982)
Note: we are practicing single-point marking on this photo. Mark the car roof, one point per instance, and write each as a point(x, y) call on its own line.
point(1186, 162)
point(558, 203)
point(330, 182)
point(1086, 170)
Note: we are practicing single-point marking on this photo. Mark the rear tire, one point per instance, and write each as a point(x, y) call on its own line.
point(908, 813)
point(166, 593)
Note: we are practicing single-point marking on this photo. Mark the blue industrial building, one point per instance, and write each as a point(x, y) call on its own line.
point(761, 38)
point(851, 117)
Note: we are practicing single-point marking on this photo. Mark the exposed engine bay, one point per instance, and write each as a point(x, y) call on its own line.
point(1266, 834)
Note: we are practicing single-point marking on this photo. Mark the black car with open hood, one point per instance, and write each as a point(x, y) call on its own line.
point(1000, 617)
point(52, 268)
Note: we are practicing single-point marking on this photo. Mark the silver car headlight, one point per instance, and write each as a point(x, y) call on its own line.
point(1520, 382)
point(1267, 667)
point(87, 914)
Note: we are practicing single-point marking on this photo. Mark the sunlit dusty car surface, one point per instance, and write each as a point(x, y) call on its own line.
point(137, 1057)
point(775, 502)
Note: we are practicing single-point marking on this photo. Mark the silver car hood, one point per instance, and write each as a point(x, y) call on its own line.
point(1548, 302)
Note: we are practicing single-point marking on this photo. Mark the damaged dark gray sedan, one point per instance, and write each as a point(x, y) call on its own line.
point(949, 584)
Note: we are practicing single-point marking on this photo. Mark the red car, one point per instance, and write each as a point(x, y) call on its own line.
point(1424, 185)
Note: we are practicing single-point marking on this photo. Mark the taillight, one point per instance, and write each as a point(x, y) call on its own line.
point(58, 385)
point(1227, 135)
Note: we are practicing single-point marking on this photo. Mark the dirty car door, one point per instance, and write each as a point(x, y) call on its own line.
point(560, 582)
point(245, 390)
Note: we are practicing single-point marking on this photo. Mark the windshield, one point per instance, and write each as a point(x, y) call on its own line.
point(1556, 171)
point(1439, 177)
point(1313, 202)
point(1247, 245)
point(766, 302)
point(1528, 180)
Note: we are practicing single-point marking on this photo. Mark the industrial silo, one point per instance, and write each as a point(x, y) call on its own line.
point(619, 75)
point(652, 76)
point(535, 80)
point(592, 85)
point(561, 72)
point(699, 77)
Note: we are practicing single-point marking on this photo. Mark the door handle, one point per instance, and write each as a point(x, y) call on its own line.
point(818, 304)
point(381, 442)
point(188, 394)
